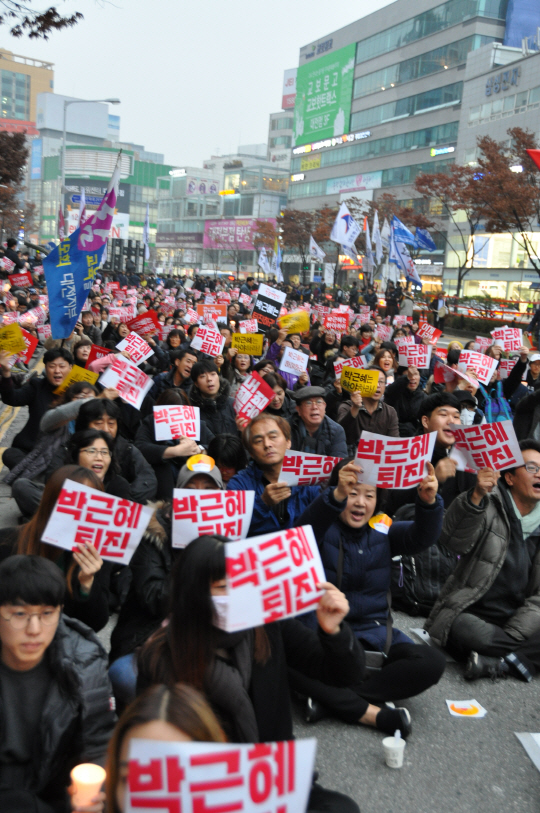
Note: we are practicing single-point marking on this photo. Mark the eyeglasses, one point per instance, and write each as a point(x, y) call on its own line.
point(532, 468)
point(317, 402)
point(93, 452)
point(19, 618)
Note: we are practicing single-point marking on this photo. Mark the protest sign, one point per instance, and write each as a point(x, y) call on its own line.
point(505, 367)
point(76, 374)
point(383, 332)
point(509, 338)
point(11, 339)
point(304, 469)
point(482, 343)
point(114, 526)
point(294, 361)
point(201, 512)
point(44, 332)
point(336, 322)
point(210, 310)
point(400, 320)
point(267, 306)
point(394, 462)
point(441, 352)
point(31, 343)
point(250, 343)
point(111, 287)
point(483, 366)
point(191, 316)
point(272, 577)
point(97, 352)
point(252, 397)
point(492, 445)
point(145, 324)
point(208, 341)
point(443, 374)
point(177, 421)
point(357, 361)
point(248, 326)
point(207, 777)
point(363, 381)
point(7, 264)
point(429, 332)
point(415, 355)
point(245, 299)
point(401, 341)
point(22, 280)
point(297, 322)
point(131, 383)
point(135, 345)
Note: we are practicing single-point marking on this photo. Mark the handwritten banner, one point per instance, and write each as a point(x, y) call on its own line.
point(250, 343)
point(357, 361)
point(429, 332)
point(248, 326)
point(208, 512)
point(509, 338)
point(363, 381)
point(135, 345)
point(415, 355)
point(336, 322)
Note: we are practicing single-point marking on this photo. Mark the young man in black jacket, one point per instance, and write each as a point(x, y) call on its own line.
point(55, 697)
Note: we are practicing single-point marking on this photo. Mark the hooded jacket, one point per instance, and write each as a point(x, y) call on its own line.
point(77, 718)
point(481, 534)
point(218, 413)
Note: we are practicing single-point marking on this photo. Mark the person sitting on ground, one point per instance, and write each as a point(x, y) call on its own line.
point(37, 394)
point(324, 345)
point(275, 353)
point(277, 505)
point(406, 396)
point(369, 414)
point(244, 674)
point(340, 518)
point(283, 403)
point(95, 450)
point(56, 697)
point(210, 393)
point(488, 612)
point(311, 429)
point(179, 377)
point(228, 452)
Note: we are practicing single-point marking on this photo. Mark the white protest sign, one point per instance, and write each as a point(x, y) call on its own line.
point(201, 512)
point(492, 445)
point(415, 355)
point(112, 525)
point(304, 469)
point(394, 462)
point(208, 341)
point(357, 361)
point(294, 361)
point(177, 421)
point(272, 577)
point(429, 332)
point(248, 326)
point(403, 341)
point(505, 367)
point(384, 333)
point(400, 320)
point(138, 349)
point(483, 366)
point(482, 343)
point(509, 338)
point(131, 383)
point(208, 777)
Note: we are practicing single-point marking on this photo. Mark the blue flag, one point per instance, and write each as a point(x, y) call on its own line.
point(401, 232)
point(70, 274)
point(423, 239)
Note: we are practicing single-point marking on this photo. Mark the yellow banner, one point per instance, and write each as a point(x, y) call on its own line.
point(11, 339)
point(76, 374)
point(365, 381)
point(249, 343)
point(310, 163)
point(296, 322)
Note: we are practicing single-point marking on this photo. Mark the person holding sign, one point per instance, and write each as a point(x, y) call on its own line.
point(211, 394)
point(244, 674)
point(371, 414)
point(406, 396)
point(275, 353)
point(357, 545)
point(240, 367)
point(311, 429)
point(56, 703)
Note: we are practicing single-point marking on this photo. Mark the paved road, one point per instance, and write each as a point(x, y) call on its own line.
point(451, 765)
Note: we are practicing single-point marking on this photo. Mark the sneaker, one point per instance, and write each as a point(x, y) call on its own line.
point(389, 719)
point(479, 666)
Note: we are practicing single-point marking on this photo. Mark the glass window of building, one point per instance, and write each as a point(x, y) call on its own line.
point(246, 205)
point(191, 208)
point(232, 180)
point(15, 95)
point(250, 181)
point(212, 207)
point(282, 124)
point(419, 103)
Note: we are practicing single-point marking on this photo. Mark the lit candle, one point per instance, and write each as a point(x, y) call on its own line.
point(87, 780)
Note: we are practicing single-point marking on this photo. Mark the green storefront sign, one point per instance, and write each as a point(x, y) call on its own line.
point(323, 96)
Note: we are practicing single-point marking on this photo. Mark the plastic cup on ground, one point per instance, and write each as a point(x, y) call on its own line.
point(394, 749)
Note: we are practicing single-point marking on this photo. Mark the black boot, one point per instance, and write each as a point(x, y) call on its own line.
point(479, 666)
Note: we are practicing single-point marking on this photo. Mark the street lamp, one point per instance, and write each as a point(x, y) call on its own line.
point(67, 102)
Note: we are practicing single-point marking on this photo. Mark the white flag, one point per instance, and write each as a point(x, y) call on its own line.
point(315, 250)
point(82, 206)
point(350, 252)
point(345, 229)
point(377, 238)
point(385, 234)
point(146, 233)
point(263, 261)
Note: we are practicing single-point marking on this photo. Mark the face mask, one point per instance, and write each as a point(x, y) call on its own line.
point(221, 606)
point(467, 417)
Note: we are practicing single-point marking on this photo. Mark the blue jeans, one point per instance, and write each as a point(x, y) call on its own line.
point(123, 676)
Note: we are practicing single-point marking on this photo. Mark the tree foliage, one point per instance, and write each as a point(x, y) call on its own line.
point(264, 235)
point(23, 19)
point(13, 157)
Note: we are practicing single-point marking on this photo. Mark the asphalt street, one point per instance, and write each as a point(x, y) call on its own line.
point(452, 765)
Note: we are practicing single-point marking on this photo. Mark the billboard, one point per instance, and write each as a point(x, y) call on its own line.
point(352, 183)
point(94, 192)
point(323, 96)
point(234, 234)
point(198, 186)
point(289, 89)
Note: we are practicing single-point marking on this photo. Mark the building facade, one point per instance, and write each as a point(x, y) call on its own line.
point(23, 79)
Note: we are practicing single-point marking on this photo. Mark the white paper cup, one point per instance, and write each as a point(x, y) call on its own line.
point(87, 779)
point(393, 751)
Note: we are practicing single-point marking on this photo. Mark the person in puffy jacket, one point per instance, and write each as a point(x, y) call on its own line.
point(357, 546)
point(210, 393)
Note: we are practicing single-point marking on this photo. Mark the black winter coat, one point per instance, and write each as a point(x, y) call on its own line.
point(330, 438)
point(218, 413)
point(38, 395)
point(77, 718)
point(406, 403)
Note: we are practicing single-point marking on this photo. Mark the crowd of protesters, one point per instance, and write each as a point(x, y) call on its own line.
point(474, 538)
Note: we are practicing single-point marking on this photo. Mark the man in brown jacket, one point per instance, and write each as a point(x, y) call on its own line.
point(489, 609)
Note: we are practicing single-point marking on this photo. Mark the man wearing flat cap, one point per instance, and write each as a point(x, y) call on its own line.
point(311, 429)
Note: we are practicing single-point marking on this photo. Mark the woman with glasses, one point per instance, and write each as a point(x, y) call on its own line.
point(94, 450)
point(87, 575)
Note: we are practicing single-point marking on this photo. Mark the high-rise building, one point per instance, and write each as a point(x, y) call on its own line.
point(23, 78)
